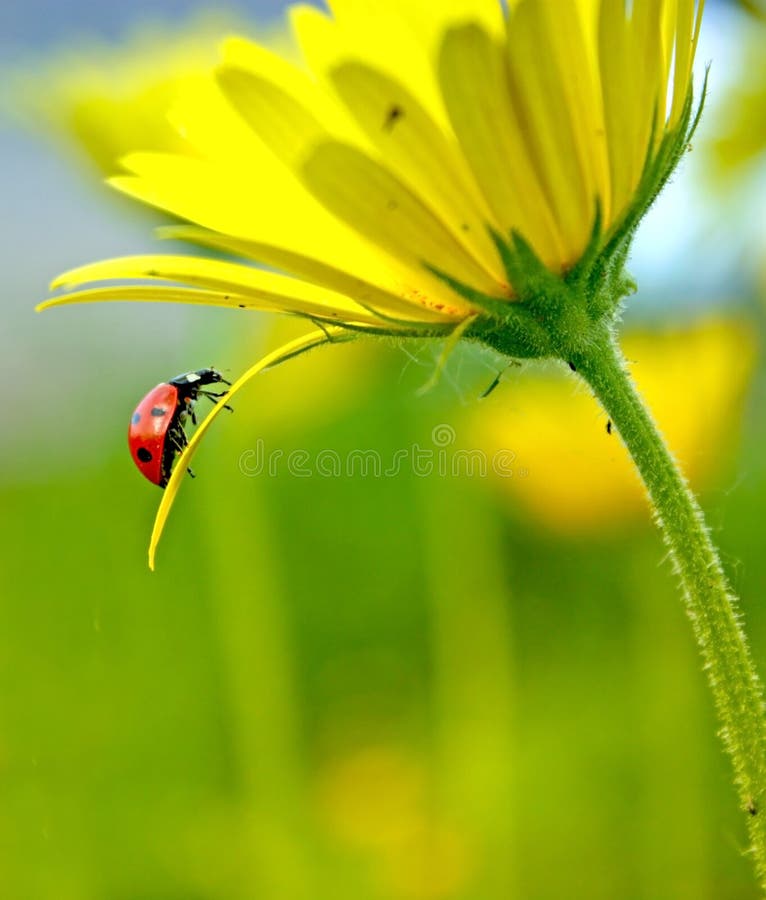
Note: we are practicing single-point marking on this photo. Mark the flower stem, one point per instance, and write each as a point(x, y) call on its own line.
point(711, 606)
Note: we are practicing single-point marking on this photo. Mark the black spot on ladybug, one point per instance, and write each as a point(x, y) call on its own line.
point(394, 114)
point(158, 411)
point(135, 418)
point(144, 455)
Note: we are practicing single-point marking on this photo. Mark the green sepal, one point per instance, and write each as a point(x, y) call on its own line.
point(509, 322)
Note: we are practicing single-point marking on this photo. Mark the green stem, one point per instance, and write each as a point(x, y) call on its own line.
point(710, 604)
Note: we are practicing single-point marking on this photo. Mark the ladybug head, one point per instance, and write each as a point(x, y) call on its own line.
point(210, 376)
point(198, 378)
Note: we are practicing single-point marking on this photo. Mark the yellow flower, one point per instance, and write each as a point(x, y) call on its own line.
point(571, 474)
point(421, 174)
point(411, 131)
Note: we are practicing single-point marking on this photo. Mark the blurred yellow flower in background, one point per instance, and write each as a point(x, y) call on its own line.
point(756, 7)
point(737, 150)
point(372, 797)
point(571, 472)
point(113, 99)
point(376, 800)
point(740, 139)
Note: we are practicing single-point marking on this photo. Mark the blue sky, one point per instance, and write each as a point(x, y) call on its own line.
point(36, 24)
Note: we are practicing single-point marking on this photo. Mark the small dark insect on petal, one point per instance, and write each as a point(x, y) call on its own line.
point(394, 114)
point(609, 427)
point(497, 379)
point(751, 807)
point(493, 385)
point(572, 366)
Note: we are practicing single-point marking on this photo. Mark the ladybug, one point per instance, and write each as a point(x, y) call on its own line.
point(156, 433)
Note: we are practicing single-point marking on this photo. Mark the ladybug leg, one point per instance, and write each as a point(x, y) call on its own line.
point(177, 437)
point(177, 445)
point(189, 411)
point(179, 440)
point(213, 398)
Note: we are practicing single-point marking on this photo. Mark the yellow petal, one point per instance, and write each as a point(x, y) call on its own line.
point(260, 288)
point(370, 199)
point(616, 55)
point(409, 136)
point(269, 202)
point(281, 217)
point(151, 294)
point(240, 55)
point(414, 306)
point(381, 41)
point(569, 88)
point(206, 121)
point(411, 143)
point(288, 127)
point(403, 37)
point(474, 83)
point(293, 131)
point(313, 339)
point(561, 136)
point(687, 34)
point(652, 63)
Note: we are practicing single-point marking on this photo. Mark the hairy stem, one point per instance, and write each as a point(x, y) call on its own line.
point(711, 606)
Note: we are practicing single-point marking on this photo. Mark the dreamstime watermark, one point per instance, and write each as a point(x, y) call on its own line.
point(442, 459)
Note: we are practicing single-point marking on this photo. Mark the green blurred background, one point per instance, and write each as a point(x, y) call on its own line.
point(373, 688)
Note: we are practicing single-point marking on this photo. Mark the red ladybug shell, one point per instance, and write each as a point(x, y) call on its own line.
point(148, 429)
